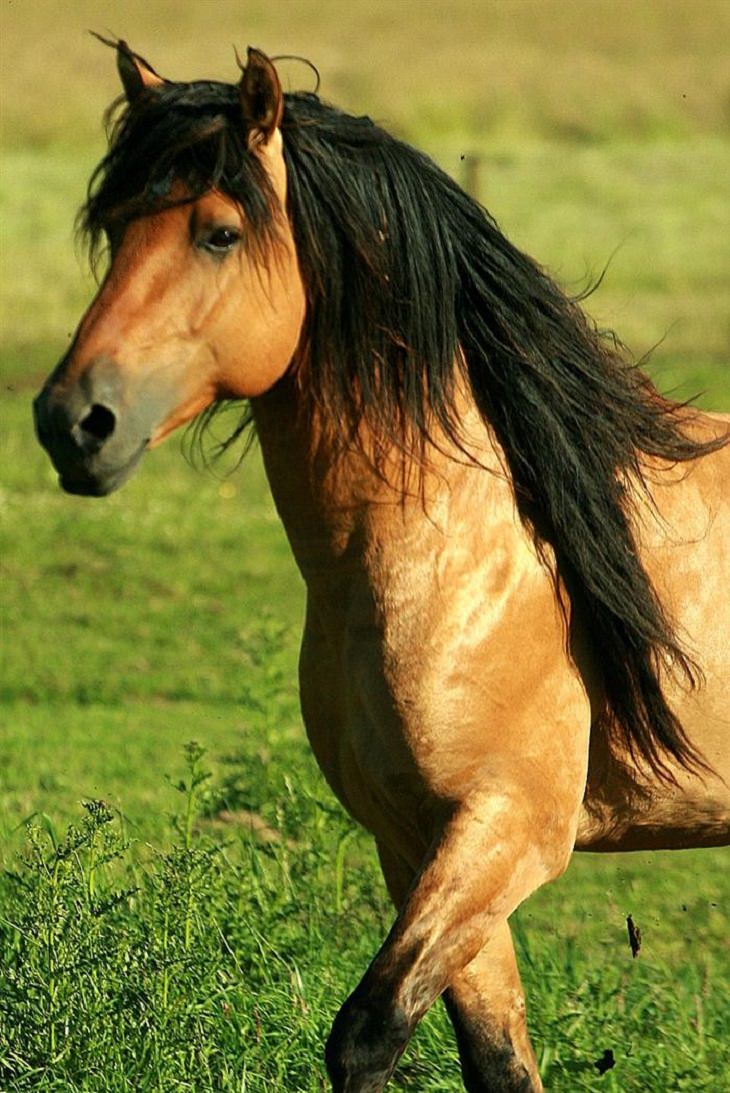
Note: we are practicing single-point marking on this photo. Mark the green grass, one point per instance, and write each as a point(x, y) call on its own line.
point(213, 956)
point(169, 612)
point(216, 962)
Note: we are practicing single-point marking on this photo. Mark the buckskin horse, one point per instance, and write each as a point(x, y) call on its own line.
point(515, 551)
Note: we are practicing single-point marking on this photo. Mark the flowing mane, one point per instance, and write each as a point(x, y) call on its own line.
point(411, 290)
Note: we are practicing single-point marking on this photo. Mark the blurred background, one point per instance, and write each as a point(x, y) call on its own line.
point(597, 129)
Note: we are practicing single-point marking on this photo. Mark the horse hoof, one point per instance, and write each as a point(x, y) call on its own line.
point(366, 1042)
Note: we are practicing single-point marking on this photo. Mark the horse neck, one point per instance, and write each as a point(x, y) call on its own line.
point(340, 512)
point(325, 496)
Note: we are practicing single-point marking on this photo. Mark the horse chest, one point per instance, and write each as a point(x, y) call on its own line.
point(362, 742)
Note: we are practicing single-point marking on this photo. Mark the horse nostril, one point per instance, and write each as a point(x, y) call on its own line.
point(99, 422)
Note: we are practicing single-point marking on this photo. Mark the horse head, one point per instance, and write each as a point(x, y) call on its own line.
point(196, 306)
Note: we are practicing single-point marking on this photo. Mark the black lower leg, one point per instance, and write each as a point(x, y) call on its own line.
point(368, 1037)
point(489, 1063)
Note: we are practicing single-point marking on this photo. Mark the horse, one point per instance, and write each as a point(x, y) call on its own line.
point(515, 550)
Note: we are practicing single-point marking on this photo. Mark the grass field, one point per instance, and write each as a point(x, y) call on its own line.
point(204, 937)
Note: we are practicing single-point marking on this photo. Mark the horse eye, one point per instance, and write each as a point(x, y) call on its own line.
point(221, 240)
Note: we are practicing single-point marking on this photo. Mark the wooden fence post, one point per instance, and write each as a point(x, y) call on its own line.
point(471, 170)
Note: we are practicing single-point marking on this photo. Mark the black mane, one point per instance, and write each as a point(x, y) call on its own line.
point(411, 287)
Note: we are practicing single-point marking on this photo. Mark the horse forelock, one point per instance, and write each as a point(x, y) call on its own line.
point(181, 133)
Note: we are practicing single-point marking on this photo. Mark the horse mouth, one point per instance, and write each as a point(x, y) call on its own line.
point(87, 483)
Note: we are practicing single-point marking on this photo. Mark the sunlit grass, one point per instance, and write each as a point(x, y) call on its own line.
point(214, 957)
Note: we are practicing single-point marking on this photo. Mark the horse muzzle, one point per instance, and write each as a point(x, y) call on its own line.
point(86, 427)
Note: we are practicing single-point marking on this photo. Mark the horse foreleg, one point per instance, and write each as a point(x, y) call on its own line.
point(497, 848)
point(485, 1002)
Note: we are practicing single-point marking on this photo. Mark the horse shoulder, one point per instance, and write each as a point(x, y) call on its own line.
point(440, 668)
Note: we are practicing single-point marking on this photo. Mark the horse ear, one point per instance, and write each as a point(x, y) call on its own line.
point(261, 98)
point(135, 73)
